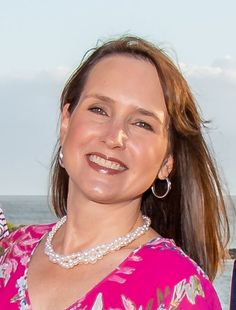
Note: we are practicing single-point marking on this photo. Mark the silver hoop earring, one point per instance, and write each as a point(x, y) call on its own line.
point(60, 159)
point(167, 190)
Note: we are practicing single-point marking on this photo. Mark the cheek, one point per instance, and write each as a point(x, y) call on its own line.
point(150, 153)
point(146, 161)
point(79, 133)
point(74, 141)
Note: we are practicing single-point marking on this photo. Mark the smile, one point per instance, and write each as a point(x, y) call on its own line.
point(106, 163)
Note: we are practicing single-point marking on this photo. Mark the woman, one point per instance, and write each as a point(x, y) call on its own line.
point(130, 153)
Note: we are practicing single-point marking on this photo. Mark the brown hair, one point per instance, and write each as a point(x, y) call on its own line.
point(193, 213)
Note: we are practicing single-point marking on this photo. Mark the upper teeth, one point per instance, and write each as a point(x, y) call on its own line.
point(105, 163)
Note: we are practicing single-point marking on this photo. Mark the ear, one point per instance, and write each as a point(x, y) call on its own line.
point(166, 167)
point(65, 119)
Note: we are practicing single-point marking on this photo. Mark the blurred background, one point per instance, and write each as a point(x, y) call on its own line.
point(42, 42)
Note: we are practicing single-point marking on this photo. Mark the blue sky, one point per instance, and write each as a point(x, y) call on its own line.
point(43, 41)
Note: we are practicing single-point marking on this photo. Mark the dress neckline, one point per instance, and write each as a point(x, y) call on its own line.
point(135, 252)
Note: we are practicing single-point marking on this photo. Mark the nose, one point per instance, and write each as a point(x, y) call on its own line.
point(115, 136)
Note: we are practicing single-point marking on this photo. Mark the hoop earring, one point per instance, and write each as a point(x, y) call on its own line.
point(60, 159)
point(167, 191)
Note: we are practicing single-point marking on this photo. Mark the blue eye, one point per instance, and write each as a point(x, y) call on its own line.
point(144, 125)
point(97, 110)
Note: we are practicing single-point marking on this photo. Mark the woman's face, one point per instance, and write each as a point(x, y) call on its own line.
point(115, 141)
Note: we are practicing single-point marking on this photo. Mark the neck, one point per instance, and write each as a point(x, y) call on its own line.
point(90, 223)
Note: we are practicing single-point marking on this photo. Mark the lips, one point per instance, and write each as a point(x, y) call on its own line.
point(104, 164)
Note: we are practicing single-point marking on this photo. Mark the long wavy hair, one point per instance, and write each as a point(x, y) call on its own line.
point(193, 213)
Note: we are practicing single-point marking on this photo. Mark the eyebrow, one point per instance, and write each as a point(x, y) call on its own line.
point(137, 109)
point(149, 113)
point(100, 97)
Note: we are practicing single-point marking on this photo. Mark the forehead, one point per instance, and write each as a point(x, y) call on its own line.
point(126, 78)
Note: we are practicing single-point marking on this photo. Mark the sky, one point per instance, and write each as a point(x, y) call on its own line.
point(42, 42)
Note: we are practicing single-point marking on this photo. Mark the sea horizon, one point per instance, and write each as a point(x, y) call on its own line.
point(36, 209)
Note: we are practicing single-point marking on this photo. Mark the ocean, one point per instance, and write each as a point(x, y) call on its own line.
point(27, 209)
point(36, 210)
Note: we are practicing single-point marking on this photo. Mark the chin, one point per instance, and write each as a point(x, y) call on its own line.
point(101, 197)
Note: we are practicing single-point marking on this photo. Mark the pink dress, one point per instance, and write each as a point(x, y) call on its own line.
point(157, 275)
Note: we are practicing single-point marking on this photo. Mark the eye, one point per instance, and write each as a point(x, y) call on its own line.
point(97, 110)
point(144, 125)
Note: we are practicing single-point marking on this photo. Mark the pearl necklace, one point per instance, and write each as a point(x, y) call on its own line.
point(93, 254)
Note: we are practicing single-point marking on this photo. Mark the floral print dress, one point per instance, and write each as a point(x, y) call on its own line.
point(157, 275)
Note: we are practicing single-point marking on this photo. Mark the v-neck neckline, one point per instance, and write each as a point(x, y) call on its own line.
point(96, 286)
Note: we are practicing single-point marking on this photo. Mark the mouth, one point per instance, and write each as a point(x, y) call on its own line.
point(107, 163)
